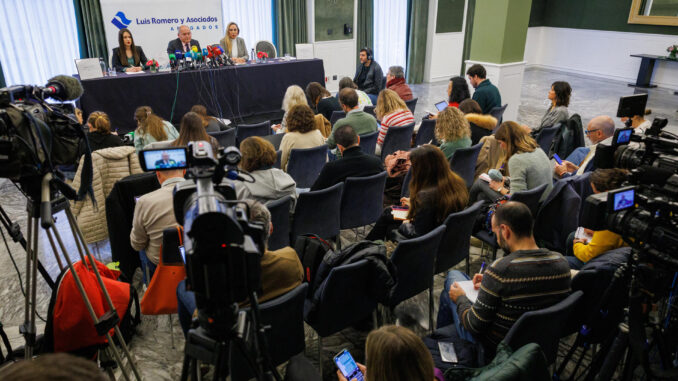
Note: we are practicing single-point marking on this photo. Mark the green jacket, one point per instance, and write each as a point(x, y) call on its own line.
point(487, 95)
point(449, 148)
point(528, 363)
point(362, 123)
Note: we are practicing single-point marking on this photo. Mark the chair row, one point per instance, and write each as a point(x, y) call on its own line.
point(234, 136)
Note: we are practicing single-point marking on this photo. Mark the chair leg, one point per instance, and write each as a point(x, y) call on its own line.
point(430, 309)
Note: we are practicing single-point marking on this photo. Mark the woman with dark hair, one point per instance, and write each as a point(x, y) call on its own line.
point(559, 95)
point(151, 128)
point(191, 130)
point(435, 192)
point(258, 157)
point(210, 123)
point(528, 166)
point(457, 91)
point(321, 99)
point(301, 133)
point(128, 57)
point(481, 124)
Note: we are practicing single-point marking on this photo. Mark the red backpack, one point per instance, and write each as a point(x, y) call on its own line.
point(69, 325)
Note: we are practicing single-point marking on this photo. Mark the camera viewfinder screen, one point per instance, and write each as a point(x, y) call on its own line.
point(171, 158)
point(623, 200)
point(624, 136)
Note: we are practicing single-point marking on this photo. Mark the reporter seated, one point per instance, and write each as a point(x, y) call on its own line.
point(258, 157)
point(395, 353)
point(600, 130)
point(527, 278)
point(453, 131)
point(353, 162)
point(581, 250)
point(281, 270)
point(481, 124)
point(210, 123)
point(99, 133)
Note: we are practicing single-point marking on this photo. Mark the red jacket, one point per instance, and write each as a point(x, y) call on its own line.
point(399, 86)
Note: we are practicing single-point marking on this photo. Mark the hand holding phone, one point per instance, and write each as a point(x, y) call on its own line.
point(558, 159)
point(348, 368)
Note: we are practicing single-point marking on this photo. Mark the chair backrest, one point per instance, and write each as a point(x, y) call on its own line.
point(405, 189)
point(285, 317)
point(370, 110)
point(268, 47)
point(546, 136)
point(426, 132)
point(558, 216)
point(336, 115)
point(498, 113)
point(368, 142)
point(463, 162)
point(244, 131)
point(275, 139)
point(278, 159)
point(582, 185)
point(317, 212)
point(456, 242)
point(225, 138)
point(544, 327)
point(412, 104)
point(305, 164)
point(362, 200)
point(280, 218)
point(397, 138)
point(343, 300)
point(414, 260)
point(530, 198)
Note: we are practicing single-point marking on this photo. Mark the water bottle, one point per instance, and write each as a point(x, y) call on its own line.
point(103, 66)
point(253, 57)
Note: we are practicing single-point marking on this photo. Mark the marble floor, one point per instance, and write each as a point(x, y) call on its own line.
point(158, 346)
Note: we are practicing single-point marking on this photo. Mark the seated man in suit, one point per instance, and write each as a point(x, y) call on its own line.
point(362, 122)
point(353, 162)
point(165, 162)
point(600, 130)
point(281, 270)
point(184, 43)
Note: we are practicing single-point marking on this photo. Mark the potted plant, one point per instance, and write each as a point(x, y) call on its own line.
point(673, 52)
point(153, 65)
point(263, 56)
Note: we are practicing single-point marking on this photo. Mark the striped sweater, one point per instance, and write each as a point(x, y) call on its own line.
point(396, 118)
point(523, 281)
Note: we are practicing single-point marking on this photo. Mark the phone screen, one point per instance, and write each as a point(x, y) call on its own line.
point(182, 251)
point(347, 366)
point(558, 160)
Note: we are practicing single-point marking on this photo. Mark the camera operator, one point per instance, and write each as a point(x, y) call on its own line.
point(281, 270)
point(599, 131)
point(579, 251)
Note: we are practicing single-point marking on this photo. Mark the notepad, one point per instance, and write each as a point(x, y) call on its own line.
point(471, 292)
point(581, 234)
point(399, 214)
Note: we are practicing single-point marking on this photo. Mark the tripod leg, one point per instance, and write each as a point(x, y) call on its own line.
point(621, 343)
point(28, 328)
point(56, 253)
point(171, 330)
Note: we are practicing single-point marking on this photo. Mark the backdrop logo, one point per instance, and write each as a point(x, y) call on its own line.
point(120, 20)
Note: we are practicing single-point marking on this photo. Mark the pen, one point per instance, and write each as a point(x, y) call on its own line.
point(482, 268)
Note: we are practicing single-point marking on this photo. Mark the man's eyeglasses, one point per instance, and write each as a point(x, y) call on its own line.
point(587, 132)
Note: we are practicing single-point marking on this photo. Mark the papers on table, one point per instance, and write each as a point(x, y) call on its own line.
point(134, 72)
point(471, 292)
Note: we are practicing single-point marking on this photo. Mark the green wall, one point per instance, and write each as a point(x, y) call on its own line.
point(499, 30)
point(450, 16)
point(609, 15)
point(330, 17)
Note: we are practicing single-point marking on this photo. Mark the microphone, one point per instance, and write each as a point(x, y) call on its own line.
point(194, 49)
point(189, 58)
point(63, 88)
point(173, 60)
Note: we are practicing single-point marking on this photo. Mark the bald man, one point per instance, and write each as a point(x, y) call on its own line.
point(184, 42)
point(599, 131)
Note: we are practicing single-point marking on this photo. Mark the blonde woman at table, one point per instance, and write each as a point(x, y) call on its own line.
point(233, 45)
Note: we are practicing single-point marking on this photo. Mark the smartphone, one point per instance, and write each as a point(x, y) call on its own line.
point(447, 352)
point(347, 366)
point(558, 160)
point(182, 251)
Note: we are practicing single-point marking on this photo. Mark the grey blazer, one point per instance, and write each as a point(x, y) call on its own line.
point(242, 49)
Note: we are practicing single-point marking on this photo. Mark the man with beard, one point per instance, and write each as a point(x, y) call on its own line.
point(527, 279)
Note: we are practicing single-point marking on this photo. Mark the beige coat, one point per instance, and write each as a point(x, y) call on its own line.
point(297, 140)
point(485, 121)
point(491, 156)
point(109, 165)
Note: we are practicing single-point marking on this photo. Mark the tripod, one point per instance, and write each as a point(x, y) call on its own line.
point(42, 211)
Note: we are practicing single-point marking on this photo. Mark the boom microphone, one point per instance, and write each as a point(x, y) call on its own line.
point(63, 88)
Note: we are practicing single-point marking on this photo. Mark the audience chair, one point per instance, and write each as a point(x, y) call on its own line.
point(336, 115)
point(305, 164)
point(370, 110)
point(274, 139)
point(285, 337)
point(414, 260)
point(412, 104)
point(405, 190)
point(582, 185)
point(317, 212)
point(280, 218)
point(397, 138)
point(546, 136)
point(342, 302)
point(225, 138)
point(426, 133)
point(368, 142)
point(268, 47)
point(278, 159)
point(558, 216)
point(463, 162)
point(244, 131)
point(362, 200)
point(530, 198)
point(457, 240)
point(544, 327)
point(498, 113)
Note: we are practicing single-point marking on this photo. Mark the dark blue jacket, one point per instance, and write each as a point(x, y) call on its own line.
point(487, 95)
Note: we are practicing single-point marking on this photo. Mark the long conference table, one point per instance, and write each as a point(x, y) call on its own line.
point(237, 91)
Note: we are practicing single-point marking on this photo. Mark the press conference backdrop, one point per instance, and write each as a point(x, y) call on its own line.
point(154, 23)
